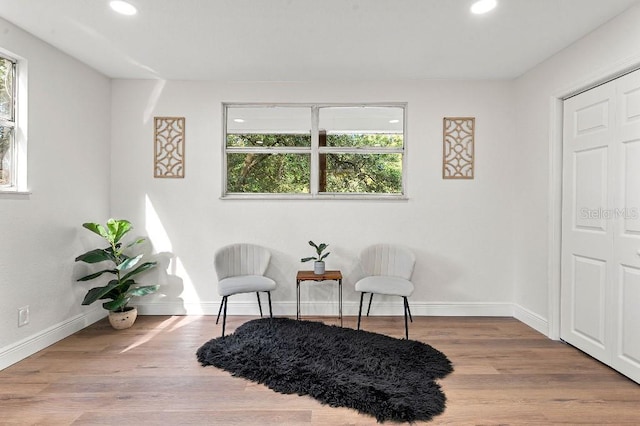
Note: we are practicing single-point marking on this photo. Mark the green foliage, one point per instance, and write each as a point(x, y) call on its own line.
point(123, 287)
point(289, 173)
point(319, 249)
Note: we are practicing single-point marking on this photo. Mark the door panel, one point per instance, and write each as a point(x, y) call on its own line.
point(590, 188)
point(588, 300)
point(631, 184)
point(587, 234)
point(629, 349)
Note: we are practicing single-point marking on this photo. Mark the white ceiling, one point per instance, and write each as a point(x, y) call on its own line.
point(311, 39)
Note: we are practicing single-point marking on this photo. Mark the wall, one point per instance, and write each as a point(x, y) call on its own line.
point(461, 231)
point(68, 176)
point(605, 52)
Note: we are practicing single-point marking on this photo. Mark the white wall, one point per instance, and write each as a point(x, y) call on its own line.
point(68, 175)
point(461, 231)
point(610, 49)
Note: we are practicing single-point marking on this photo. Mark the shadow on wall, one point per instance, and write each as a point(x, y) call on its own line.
point(171, 285)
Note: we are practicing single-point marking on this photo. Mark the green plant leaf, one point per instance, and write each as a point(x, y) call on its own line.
point(138, 241)
point(324, 255)
point(312, 244)
point(95, 256)
point(97, 228)
point(129, 263)
point(306, 259)
point(139, 269)
point(97, 274)
point(117, 304)
point(320, 248)
point(118, 228)
point(143, 290)
point(97, 293)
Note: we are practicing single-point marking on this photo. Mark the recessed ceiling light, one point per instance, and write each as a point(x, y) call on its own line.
point(238, 120)
point(394, 121)
point(123, 8)
point(483, 6)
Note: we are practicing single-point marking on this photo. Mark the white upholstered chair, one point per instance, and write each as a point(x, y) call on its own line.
point(388, 269)
point(240, 269)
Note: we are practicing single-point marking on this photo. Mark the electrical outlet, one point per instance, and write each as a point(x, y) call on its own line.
point(23, 316)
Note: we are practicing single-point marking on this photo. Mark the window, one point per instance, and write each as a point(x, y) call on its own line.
point(7, 123)
point(307, 151)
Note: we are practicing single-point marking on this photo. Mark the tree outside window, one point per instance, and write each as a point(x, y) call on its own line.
point(7, 122)
point(315, 150)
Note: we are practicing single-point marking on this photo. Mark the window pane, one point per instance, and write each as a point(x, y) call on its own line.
point(362, 126)
point(361, 173)
point(268, 120)
point(268, 173)
point(268, 140)
point(6, 155)
point(384, 140)
point(6, 89)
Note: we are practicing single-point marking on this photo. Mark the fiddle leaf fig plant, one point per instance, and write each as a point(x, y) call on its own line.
point(320, 248)
point(118, 291)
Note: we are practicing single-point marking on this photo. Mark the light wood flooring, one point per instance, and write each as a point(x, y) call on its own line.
point(505, 373)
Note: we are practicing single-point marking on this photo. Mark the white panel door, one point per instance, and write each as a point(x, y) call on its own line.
point(600, 300)
point(626, 352)
point(587, 234)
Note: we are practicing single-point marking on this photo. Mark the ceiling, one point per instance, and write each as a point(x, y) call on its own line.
point(292, 40)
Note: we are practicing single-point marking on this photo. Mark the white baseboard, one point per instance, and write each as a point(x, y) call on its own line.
point(18, 351)
point(531, 319)
point(350, 308)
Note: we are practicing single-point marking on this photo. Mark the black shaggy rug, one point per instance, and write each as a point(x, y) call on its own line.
point(388, 378)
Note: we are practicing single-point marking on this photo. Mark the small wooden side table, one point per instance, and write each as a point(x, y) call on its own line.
point(327, 276)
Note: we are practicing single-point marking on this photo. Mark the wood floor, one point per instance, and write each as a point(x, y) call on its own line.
point(505, 373)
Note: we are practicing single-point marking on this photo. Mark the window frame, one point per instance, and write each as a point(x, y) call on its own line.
point(18, 188)
point(315, 150)
point(12, 122)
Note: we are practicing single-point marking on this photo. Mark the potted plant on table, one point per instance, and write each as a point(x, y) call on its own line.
point(318, 265)
point(124, 268)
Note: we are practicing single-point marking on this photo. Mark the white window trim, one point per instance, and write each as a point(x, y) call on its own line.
point(315, 150)
point(19, 189)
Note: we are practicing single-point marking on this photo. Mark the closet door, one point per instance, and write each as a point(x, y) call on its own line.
point(587, 232)
point(626, 352)
point(600, 299)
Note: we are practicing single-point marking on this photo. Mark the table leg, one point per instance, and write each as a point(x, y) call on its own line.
point(297, 299)
point(340, 300)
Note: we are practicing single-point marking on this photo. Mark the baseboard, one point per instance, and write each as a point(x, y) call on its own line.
point(531, 319)
point(349, 308)
point(11, 354)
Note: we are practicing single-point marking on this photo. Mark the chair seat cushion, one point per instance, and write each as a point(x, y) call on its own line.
point(245, 284)
point(394, 286)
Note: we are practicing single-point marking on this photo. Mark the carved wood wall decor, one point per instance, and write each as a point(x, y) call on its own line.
point(458, 147)
point(169, 147)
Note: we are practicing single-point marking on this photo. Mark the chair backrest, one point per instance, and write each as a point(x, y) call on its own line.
point(388, 260)
point(241, 259)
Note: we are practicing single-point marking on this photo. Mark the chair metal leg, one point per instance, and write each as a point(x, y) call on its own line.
point(406, 302)
point(224, 315)
point(360, 310)
point(370, 299)
point(259, 304)
point(270, 311)
point(220, 310)
point(406, 323)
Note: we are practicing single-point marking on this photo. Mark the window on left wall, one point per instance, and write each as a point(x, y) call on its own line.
point(8, 149)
